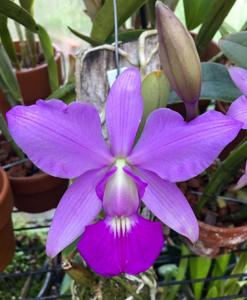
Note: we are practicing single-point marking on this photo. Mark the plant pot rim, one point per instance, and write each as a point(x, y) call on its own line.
point(5, 188)
point(218, 229)
point(43, 65)
point(34, 177)
point(7, 245)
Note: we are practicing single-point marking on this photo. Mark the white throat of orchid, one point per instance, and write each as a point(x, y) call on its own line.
point(121, 200)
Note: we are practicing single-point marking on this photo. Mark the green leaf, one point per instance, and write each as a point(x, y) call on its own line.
point(199, 268)
point(31, 47)
point(220, 267)
point(27, 5)
point(216, 84)
point(182, 268)
point(195, 12)
point(84, 37)
point(234, 46)
point(226, 29)
point(126, 36)
point(171, 3)
point(92, 7)
point(151, 11)
point(7, 41)
point(155, 92)
point(65, 93)
point(103, 25)
point(48, 51)
point(231, 285)
point(11, 10)
point(168, 270)
point(69, 249)
point(218, 11)
point(212, 293)
point(8, 78)
point(65, 285)
point(30, 39)
point(5, 131)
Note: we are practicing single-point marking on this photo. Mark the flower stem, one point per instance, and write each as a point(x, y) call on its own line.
point(127, 287)
point(223, 175)
point(182, 268)
point(191, 110)
point(5, 131)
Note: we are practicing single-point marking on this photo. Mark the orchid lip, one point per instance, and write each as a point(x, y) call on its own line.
point(120, 226)
point(121, 195)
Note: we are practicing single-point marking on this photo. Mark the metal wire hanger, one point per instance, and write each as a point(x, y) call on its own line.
point(116, 36)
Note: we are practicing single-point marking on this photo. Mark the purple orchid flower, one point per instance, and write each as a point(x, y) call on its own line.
point(66, 141)
point(238, 109)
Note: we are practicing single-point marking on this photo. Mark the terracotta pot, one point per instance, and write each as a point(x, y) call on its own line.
point(6, 199)
point(215, 240)
point(34, 83)
point(37, 193)
point(7, 245)
point(7, 240)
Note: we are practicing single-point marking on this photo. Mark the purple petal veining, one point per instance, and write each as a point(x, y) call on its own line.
point(238, 110)
point(177, 150)
point(78, 208)
point(124, 109)
point(66, 141)
point(62, 140)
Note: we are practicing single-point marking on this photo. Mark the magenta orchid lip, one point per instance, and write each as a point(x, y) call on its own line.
point(66, 141)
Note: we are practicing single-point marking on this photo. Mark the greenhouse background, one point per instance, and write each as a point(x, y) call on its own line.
point(104, 56)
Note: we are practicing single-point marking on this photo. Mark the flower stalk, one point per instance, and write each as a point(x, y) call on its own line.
point(223, 175)
point(5, 131)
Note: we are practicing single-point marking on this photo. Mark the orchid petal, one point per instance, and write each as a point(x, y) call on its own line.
point(177, 150)
point(241, 183)
point(141, 185)
point(78, 207)
point(100, 188)
point(168, 203)
point(62, 140)
point(238, 110)
point(239, 77)
point(242, 180)
point(124, 111)
point(133, 251)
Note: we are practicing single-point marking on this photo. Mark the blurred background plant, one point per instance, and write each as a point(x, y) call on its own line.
point(30, 49)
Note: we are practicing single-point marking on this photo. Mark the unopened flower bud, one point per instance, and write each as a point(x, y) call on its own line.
point(179, 58)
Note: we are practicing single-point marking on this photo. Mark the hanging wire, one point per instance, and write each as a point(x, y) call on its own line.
point(15, 163)
point(116, 36)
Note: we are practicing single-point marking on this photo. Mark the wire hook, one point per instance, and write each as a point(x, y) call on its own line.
point(116, 36)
